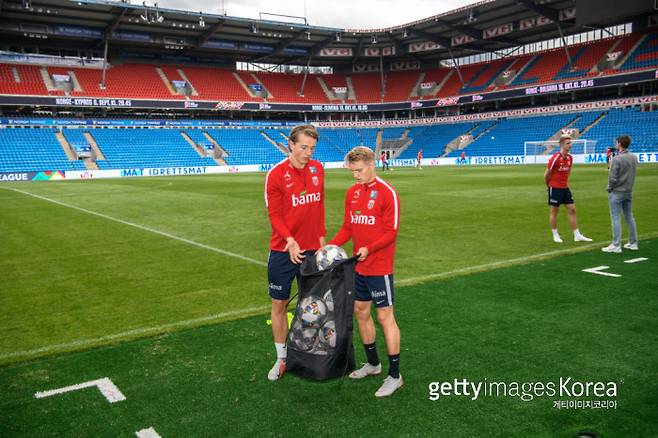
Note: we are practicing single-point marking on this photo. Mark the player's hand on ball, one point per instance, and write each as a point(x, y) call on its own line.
point(362, 253)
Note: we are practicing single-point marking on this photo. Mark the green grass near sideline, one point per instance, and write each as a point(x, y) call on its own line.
point(72, 280)
point(531, 323)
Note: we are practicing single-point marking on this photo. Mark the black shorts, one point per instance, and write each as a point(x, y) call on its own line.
point(281, 272)
point(377, 288)
point(557, 197)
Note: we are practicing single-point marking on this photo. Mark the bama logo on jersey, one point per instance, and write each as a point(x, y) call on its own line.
point(362, 219)
point(305, 198)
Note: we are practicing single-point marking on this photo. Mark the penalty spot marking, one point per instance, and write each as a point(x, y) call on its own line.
point(598, 270)
point(144, 228)
point(147, 433)
point(637, 260)
point(104, 385)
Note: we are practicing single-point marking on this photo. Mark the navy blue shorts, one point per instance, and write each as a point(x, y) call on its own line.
point(280, 273)
point(557, 197)
point(377, 288)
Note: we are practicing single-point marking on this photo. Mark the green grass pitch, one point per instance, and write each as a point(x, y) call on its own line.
point(138, 280)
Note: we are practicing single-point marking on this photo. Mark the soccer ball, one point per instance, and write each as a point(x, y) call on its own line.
point(329, 300)
point(328, 334)
point(328, 255)
point(312, 312)
point(301, 338)
point(320, 349)
point(309, 338)
point(296, 335)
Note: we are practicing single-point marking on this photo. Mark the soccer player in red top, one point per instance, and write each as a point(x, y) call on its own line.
point(294, 197)
point(419, 157)
point(372, 218)
point(556, 178)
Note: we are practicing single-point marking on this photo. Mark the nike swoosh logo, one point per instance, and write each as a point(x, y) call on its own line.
point(289, 185)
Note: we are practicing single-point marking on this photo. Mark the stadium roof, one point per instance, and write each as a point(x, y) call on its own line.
point(487, 26)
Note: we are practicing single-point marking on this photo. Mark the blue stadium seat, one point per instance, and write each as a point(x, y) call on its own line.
point(33, 149)
point(146, 148)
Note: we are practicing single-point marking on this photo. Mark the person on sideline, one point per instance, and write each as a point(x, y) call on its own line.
point(623, 167)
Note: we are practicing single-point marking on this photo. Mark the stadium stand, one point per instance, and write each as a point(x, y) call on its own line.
point(434, 139)
point(29, 149)
point(587, 56)
point(454, 83)
point(76, 138)
point(21, 79)
point(399, 85)
point(508, 136)
point(437, 76)
point(485, 76)
point(641, 126)
point(542, 68)
point(216, 83)
point(129, 148)
point(284, 88)
point(335, 80)
point(197, 136)
point(645, 55)
point(367, 87)
point(134, 81)
point(638, 51)
point(341, 140)
point(246, 146)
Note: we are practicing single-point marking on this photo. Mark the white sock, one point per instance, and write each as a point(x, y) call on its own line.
point(281, 351)
point(576, 232)
point(555, 233)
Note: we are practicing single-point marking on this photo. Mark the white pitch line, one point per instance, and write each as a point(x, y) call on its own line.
point(135, 332)
point(505, 263)
point(598, 270)
point(493, 265)
point(149, 330)
point(637, 260)
point(145, 228)
point(104, 385)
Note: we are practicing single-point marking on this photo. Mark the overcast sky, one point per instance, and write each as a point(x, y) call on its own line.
point(347, 14)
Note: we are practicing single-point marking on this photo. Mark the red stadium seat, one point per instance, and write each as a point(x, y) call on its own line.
point(399, 85)
point(367, 87)
point(142, 81)
point(216, 84)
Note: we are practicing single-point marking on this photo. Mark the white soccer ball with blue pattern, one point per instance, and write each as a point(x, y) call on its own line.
point(328, 334)
point(309, 338)
point(328, 255)
point(312, 312)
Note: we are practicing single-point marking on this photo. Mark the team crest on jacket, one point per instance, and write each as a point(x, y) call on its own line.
point(373, 194)
point(286, 176)
point(371, 203)
point(316, 181)
point(312, 169)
